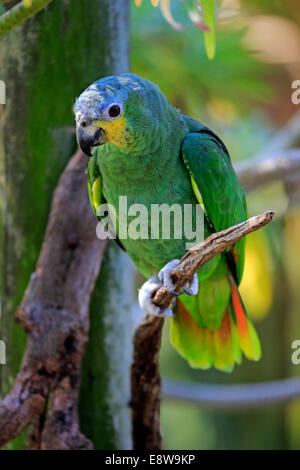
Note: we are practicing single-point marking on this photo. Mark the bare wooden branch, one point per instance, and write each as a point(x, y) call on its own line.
point(285, 137)
point(234, 396)
point(54, 313)
point(279, 166)
point(146, 385)
point(278, 162)
point(205, 251)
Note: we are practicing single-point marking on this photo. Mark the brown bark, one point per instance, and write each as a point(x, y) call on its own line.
point(146, 385)
point(54, 314)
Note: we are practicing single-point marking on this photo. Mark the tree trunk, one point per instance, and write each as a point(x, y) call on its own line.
point(45, 64)
point(105, 391)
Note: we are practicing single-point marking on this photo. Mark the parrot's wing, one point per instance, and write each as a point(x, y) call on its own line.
point(216, 186)
point(95, 190)
point(213, 327)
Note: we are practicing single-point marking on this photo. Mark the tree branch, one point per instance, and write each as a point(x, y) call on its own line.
point(145, 376)
point(233, 396)
point(200, 254)
point(285, 137)
point(274, 163)
point(54, 314)
point(20, 13)
point(146, 385)
point(258, 171)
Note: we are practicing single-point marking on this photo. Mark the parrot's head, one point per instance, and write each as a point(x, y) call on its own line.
point(125, 111)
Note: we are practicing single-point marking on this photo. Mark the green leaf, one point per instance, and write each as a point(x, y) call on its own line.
point(208, 14)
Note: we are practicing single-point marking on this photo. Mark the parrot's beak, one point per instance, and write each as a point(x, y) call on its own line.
point(88, 137)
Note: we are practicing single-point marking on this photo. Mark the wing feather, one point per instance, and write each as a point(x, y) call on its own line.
point(214, 178)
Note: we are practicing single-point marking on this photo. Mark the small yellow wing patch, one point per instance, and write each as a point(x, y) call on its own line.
point(198, 195)
point(196, 191)
point(96, 193)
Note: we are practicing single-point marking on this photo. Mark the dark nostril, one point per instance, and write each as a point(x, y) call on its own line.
point(83, 123)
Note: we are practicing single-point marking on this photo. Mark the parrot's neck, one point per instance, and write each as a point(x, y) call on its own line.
point(133, 168)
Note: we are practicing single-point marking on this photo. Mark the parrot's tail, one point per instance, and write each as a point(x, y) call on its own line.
point(221, 348)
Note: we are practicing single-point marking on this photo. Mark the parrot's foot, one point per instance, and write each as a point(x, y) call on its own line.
point(146, 294)
point(164, 276)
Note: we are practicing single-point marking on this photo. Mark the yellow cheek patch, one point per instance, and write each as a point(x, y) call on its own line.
point(115, 130)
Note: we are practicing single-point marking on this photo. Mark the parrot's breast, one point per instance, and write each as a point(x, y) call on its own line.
point(155, 210)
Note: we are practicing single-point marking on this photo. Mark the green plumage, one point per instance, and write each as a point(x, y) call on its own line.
point(161, 156)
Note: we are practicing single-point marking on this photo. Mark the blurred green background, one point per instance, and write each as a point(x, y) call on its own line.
point(244, 94)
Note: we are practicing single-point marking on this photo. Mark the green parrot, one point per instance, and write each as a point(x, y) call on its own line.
point(142, 147)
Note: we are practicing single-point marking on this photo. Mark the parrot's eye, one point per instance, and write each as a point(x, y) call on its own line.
point(114, 111)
